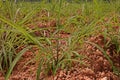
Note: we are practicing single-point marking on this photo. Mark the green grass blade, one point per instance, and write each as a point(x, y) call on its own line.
point(21, 29)
point(39, 69)
point(105, 54)
point(18, 56)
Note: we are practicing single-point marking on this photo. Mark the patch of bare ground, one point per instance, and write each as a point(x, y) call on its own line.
point(97, 68)
point(22, 71)
point(25, 68)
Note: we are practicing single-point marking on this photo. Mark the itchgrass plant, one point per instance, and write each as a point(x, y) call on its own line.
point(110, 30)
point(81, 20)
point(60, 58)
point(112, 42)
point(12, 36)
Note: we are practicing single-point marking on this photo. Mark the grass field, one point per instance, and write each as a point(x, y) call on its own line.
point(54, 35)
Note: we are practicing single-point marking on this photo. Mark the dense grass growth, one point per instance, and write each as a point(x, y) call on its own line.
point(78, 19)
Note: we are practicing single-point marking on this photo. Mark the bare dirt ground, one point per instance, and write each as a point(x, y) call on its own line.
point(98, 67)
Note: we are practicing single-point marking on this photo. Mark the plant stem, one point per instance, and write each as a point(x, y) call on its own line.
point(58, 27)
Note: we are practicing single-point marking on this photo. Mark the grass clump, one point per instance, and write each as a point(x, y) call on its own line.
point(43, 25)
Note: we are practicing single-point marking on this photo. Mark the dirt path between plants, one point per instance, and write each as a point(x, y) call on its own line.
point(98, 66)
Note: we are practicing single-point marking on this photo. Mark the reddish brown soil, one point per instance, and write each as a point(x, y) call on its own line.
point(97, 66)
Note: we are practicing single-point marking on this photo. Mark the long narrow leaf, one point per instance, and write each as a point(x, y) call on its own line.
point(18, 56)
point(21, 29)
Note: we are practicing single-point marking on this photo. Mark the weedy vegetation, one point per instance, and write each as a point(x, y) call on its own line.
point(42, 23)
